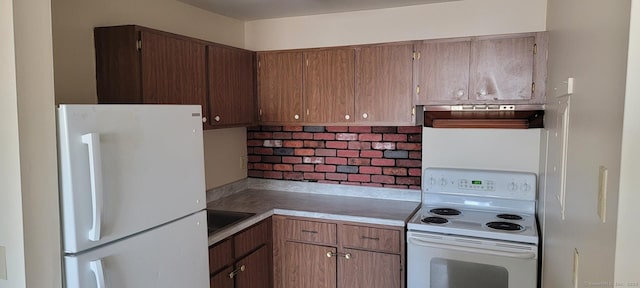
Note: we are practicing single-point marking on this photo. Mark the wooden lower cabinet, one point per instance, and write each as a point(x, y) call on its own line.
point(222, 279)
point(243, 260)
point(256, 272)
point(308, 266)
point(369, 269)
point(361, 256)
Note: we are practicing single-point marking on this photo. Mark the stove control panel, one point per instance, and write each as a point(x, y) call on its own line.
point(486, 183)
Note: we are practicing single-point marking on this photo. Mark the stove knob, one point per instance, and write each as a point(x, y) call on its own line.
point(443, 182)
point(432, 181)
point(525, 187)
point(512, 186)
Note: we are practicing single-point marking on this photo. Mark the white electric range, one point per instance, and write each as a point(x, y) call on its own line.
point(475, 228)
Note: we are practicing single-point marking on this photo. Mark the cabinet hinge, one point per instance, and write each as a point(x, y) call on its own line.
point(418, 89)
point(260, 112)
point(258, 64)
point(535, 49)
point(307, 62)
point(139, 44)
point(416, 55)
point(413, 111)
point(533, 87)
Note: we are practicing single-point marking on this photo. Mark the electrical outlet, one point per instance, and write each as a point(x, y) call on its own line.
point(602, 193)
point(576, 262)
point(3, 263)
point(243, 162)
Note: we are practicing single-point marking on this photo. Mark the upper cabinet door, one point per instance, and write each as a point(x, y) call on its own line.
point(280, 87)
point(329, 80)
point(442, 72)
point(173, 70)
point(231, 86)
point(502, 69)
point(384, 87)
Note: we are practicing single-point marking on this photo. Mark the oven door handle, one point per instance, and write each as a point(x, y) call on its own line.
point(425, 243)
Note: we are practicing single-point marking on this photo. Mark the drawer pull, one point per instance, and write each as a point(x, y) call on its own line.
point(309, 231)
point(235, 272)
point(345, 255)
point(370, 238)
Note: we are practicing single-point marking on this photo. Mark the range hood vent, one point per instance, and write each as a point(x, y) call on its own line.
point(484, 116)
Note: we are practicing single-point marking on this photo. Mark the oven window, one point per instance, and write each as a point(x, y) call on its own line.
point(446, 273)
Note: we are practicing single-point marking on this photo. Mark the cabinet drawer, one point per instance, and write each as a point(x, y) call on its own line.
point(220, 255)
point(309, 231)
point(252, 238)
point(371, 238)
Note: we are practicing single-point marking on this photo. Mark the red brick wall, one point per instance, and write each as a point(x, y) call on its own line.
point(358, 155)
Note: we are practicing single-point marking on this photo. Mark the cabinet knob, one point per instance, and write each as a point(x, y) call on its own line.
point(460, 93)
point(331, 254)
point(296, 116)
point(347, 256)
point(217, 118)
point(204, 119)
point(365, 115)
point(347, 117)
point(483, 92)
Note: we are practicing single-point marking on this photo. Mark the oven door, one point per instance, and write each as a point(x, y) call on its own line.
point(448, 261)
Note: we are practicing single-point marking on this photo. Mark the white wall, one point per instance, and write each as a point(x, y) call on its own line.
point(440, 20)
point(588, 41)
point(494, 149)
point(38, 156)
point(11, 232)
point(28, 220)
point(74, 58)
point(627, 250)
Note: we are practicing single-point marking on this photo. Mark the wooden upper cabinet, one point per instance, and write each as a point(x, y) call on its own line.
point(329, 80)
point(502, 69)
point(280, 87)
point(173, 70)
point(137, 65)
point(384, 87)
point(231, 86)
point(498, 69)
point(442, 71)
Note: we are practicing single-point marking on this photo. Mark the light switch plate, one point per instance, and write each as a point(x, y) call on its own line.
point(3, 263)
point(570, 83)
point(602, 193)
point(243, 162)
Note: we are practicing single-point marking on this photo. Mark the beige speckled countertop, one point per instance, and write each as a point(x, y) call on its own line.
point(332, 206)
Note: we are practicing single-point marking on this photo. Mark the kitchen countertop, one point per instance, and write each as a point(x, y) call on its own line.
point(266, 203)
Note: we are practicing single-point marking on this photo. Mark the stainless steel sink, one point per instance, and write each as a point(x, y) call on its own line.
point(219, 219)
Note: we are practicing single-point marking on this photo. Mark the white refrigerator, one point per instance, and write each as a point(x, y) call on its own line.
point(132, 196)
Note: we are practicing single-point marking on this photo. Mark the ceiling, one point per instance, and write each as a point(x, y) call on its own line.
point(265, 9)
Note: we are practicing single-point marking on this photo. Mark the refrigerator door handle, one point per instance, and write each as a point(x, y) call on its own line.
point(96, 268)
point(95, 170)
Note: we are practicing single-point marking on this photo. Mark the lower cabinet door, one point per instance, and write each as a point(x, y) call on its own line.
point(309, 266)
point(366, 269)
point(253, 271)
point(222, 279)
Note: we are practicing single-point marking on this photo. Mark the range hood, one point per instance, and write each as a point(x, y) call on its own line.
point(484, 116)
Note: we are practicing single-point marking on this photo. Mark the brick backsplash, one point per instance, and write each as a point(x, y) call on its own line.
point(358, 155)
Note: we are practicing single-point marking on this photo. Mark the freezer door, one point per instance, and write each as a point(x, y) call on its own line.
point(127, 168)
point(172, 255)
